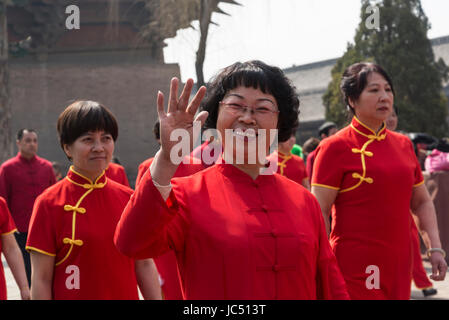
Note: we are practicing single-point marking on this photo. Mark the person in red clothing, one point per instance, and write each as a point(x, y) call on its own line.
point(290, 165)
point(57, 170)
point(166, 263)
point(117, 173)
point(73, 222)
point(419, 274)
point(12, 253)
point(22, 179)
point(372, 178)
point(326, 130)
point(237, 233)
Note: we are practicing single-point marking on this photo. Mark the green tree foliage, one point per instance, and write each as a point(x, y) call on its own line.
point(402, 48)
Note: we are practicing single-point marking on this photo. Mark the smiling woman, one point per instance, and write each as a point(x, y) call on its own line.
point(237, 234)
point(71, 229)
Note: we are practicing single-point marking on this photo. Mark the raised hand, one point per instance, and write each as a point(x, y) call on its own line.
point(180, 114)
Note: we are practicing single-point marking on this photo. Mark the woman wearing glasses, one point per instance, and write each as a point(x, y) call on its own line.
point(236, 233)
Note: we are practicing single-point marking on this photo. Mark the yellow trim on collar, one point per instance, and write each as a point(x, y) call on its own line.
point(91, 184)
point(77, 209)
point(283, 164)
point(364, 153)
point(368, 128)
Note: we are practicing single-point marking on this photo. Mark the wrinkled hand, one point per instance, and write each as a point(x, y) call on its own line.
point(180, 114)
point(439, 266)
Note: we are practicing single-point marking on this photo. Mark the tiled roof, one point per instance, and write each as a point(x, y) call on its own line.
point(311, 80)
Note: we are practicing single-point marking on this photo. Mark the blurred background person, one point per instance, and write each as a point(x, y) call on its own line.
point(57, 169)
point(326, 130)
point(289, 164)
point(116, 172)
point(310, 145)
point(22, 179)
point(419, 274)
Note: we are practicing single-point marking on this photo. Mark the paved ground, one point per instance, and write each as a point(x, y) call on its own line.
point(442, 286)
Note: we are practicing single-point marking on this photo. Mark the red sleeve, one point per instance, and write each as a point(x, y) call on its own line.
point(52, 176)
point(330, 282)
point(4, 190)
point(303, 168)
point(150, 226)
point(42, 231)
point(143, 167)
point(328, 166)
point(419, 179)
point(123, 178)
point(309, 163)
point(7, 225)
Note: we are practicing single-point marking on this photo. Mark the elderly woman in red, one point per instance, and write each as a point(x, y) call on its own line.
point(236, 233)
point(73, 222)
point(371, 176)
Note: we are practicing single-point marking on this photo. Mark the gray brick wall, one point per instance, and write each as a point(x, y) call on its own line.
point(124, 82)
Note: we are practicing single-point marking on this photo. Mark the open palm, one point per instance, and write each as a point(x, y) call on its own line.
point(180, 114)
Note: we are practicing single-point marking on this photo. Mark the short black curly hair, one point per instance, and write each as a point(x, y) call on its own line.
point(258, 75)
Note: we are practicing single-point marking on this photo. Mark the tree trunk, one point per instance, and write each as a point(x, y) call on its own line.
point(207, 7)
point(6, 145)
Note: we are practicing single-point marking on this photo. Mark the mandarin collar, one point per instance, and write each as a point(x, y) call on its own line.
point(22, 158)
point(78, 179)
point(283, 156)
point(365, 131)
point(229, 169)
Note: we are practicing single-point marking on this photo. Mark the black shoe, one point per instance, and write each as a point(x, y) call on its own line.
point(429, 292)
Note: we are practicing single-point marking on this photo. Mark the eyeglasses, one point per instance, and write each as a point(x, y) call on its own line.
point(238, 109)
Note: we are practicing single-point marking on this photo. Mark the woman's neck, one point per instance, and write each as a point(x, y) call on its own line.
point(253, 170)
point(92, 176)
point(374, 125)
point(283, 150)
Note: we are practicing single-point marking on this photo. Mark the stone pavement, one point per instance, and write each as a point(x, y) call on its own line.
point(442, 286)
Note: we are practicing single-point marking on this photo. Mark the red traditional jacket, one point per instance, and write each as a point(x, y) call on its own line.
point(166, 263)
point(235, 237)
point(291, 166)
point(21, 181)
point(74, 221)
point(374, 175)
point(117, 173)
point(6, 227)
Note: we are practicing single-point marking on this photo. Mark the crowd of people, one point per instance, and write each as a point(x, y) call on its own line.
point(334, 219)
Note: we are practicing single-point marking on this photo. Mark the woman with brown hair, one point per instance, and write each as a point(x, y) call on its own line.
point(372, 178)
point(72, 226)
